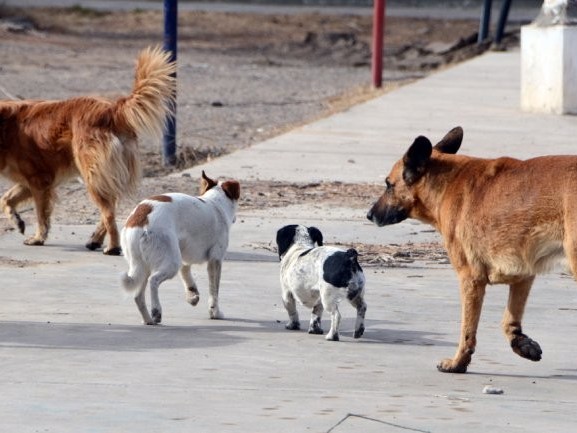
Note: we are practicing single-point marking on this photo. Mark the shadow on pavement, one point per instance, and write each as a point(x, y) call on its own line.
point(80, 336)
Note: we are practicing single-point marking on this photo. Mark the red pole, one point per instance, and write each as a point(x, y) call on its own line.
point(378, 31)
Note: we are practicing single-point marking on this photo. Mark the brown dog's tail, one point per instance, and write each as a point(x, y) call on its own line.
point(108, 157)
point(145, 110)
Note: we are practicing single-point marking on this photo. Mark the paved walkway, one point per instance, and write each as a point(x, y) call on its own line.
point(361, 144)
point(74, 357)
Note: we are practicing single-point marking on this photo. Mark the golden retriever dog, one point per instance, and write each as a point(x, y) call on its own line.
point(502, 221)
point(43, 143)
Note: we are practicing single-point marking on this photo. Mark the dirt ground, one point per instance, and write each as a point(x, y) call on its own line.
point(242, 78)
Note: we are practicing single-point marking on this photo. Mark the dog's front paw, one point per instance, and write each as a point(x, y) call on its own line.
point(293, 326)
point(215, 314)
point(449, 366)
point(317, 330)
point(156, 316)
point(332, 337)
point(315, 327)
point(34, 241)
point(359, 332)
point(115, 251)
point(526, 347)
point(93, 245)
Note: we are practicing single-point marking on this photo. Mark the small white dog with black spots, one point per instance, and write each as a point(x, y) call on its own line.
point(319, 277)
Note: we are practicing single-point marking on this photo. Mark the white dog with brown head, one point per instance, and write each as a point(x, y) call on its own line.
point(168, 233)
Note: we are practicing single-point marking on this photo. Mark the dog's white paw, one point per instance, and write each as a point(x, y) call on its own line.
point(114, 251)
point(193, 300)
point(315, 327)
point(215, 314)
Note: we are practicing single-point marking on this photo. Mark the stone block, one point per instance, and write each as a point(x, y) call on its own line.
point(549, 69)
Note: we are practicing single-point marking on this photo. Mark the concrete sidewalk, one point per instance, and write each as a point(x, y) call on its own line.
point(74, 357)
point(362, 143)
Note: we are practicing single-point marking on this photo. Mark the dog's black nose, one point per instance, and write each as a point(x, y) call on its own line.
point(370, 215)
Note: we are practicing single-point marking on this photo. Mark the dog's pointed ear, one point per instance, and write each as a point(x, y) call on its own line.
point(451, 142)
point(206, 183)
point(416, 159)
point(316, 236)
point(232, 189)
point(285, 238)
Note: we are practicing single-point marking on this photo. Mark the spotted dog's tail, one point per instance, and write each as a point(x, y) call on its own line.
point(134, 279)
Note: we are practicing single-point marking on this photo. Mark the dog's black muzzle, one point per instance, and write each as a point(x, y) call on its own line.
point(384, 216)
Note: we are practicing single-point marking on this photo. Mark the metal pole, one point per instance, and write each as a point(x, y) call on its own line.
point(485, 21)
point(170, 45)
point(502, 21)
point(378, 31)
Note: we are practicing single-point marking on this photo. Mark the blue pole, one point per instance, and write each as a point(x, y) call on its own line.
point(502, 21)
point(485, 21)
point(170, 42)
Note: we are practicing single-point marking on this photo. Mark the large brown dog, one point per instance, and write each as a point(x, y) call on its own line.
point(502, 220)
point(43, 143)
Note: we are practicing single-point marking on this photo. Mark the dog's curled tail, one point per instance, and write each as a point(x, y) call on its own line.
point(134, 282)
point(134, 279)
point(110, 165)
point(153, 94)
point(130, 241)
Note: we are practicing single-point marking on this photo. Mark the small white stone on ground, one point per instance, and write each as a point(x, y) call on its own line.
point(492, 390)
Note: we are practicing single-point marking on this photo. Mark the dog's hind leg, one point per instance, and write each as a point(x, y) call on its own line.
point(156, 308)
point(107, 224)
point(162, 256)
point(333, 334)
point(155, 280)
point(520, 343)
point(190, 289)
point(290, 305)
point(359, 303)
point(316, 316)
point(10, 201)
point(214, 270)
point(141, 304)
point(97, 237)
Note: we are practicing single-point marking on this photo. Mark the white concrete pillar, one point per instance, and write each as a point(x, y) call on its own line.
point(549, 62)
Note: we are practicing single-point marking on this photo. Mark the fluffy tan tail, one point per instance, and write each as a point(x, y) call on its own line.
point(108, 157)
point(153, 94)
